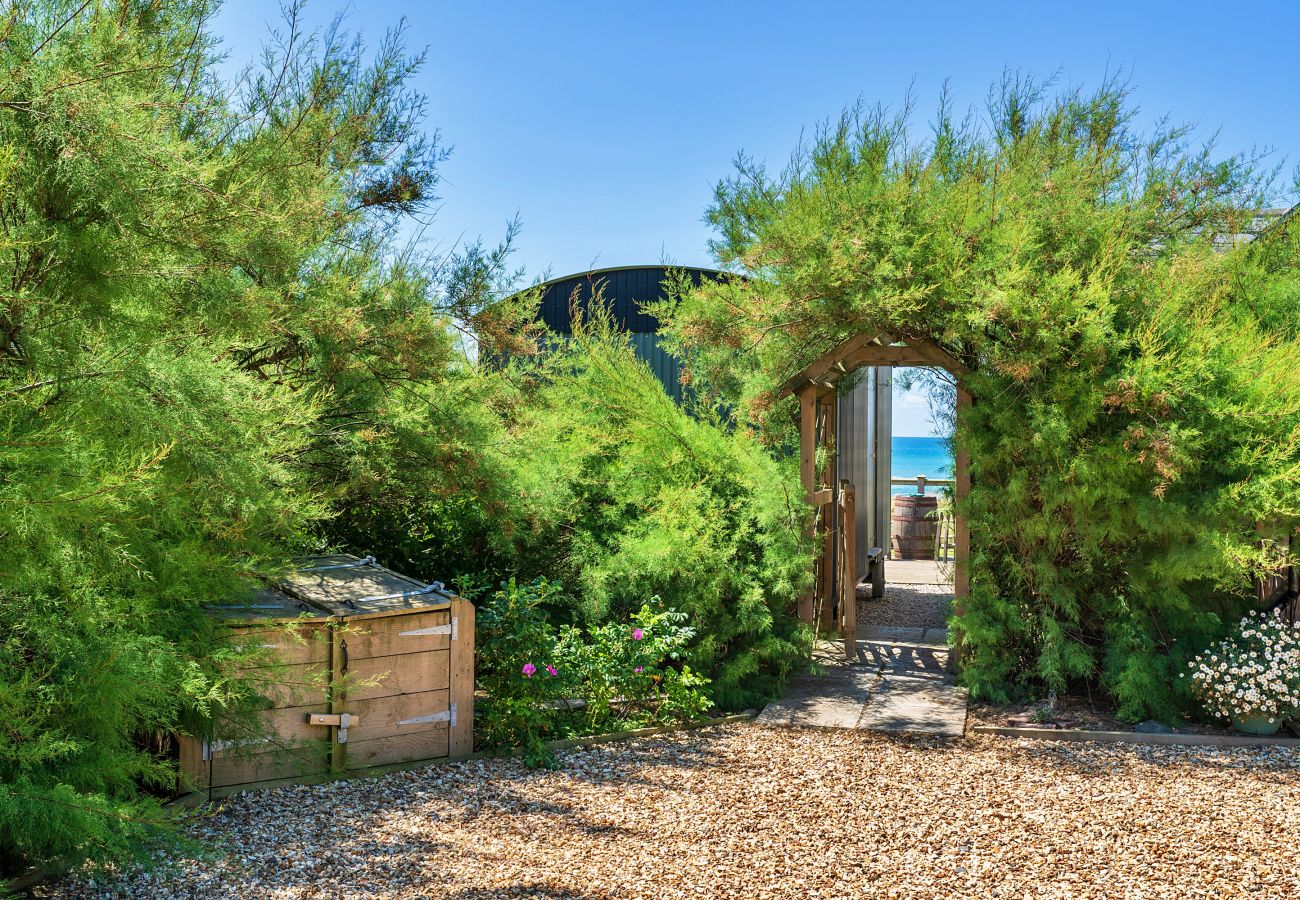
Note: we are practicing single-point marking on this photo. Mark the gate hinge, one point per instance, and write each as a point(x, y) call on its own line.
point(448, 715)
point(212, 747)
point(451, 629)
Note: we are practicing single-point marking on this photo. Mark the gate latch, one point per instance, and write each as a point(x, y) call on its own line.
point(343, 720)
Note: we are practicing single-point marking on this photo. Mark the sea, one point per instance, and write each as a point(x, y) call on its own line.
point(912, 456)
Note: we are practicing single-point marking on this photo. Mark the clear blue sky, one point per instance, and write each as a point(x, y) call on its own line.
point(606, 125)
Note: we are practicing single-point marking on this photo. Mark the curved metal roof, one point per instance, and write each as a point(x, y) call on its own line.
point(626, 288)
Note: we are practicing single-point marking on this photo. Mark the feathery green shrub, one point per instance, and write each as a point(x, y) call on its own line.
point(205, 348)
point(1134, 369)
point(622, 495)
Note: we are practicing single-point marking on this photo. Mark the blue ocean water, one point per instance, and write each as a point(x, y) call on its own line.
point(912, 456)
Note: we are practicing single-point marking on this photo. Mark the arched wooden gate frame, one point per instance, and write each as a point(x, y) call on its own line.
point(815, 386)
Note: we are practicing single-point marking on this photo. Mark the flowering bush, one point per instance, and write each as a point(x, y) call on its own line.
point(1254, 672)
point(632, 675)
point(544, 682)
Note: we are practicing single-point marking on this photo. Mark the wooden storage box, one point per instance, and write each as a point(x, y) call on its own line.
point(363, 667)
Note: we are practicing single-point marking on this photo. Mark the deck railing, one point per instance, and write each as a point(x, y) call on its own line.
point(922, 482)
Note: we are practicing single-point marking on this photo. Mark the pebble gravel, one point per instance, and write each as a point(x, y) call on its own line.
point(906, 606)
point(748, 811)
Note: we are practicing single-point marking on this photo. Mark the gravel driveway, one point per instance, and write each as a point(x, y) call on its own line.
point(750, 811)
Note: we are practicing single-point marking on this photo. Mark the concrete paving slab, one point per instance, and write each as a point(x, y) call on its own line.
point(905, 659)
point(834, 700)
point(916, 705)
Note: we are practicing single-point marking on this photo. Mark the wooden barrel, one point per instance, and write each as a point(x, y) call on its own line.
point(913, 528)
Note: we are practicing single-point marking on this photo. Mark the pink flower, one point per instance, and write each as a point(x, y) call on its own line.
point(551, 670)
point(637, 634)
point(529, 670)
point(637, 670)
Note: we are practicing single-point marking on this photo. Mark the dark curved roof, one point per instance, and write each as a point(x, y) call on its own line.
point(625, 289)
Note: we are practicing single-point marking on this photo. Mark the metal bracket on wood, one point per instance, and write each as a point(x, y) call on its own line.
point(432, 629)
point(366, 561)
point(211, 747)
point(343, 721)
point(436, 588)
point(447, 715)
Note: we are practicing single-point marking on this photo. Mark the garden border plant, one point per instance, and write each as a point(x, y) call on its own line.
point(623, 675)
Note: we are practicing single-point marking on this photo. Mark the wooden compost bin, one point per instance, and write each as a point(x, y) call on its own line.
point(363, 667)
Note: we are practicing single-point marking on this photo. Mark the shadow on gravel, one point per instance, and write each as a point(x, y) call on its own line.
point(1087, 758)
point(542, 891)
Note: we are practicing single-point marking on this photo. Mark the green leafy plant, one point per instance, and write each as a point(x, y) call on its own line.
point(206, 348)
point(624, 495)
point(517, 647)
point(632, 673)
point(543, 681)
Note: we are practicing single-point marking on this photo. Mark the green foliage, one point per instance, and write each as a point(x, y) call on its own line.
point(626, 675)
point(623, 495)
point(1136, 399)
point(206, 345)
point(513, 630)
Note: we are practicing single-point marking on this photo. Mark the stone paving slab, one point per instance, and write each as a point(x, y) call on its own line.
point(900, 682)
point(903, 703)
point(832, 700)
point(918, 660)
point(929, 637)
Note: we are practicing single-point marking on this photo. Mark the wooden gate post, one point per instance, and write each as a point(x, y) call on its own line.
point(849, 571)
point(961, 527)
point(830, 522)
point(808, 474)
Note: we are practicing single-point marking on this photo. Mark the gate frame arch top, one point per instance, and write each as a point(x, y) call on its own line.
point(818, 379)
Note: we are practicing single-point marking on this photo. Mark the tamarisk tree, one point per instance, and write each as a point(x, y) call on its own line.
point(1136, 415)
point(208, 342)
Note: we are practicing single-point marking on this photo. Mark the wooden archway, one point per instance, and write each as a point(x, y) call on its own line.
point(815, 386)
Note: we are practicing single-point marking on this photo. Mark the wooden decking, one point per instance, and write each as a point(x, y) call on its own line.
point(917, 571)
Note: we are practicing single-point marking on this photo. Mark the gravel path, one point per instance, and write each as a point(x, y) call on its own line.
point(755, 812)
point(907, 605)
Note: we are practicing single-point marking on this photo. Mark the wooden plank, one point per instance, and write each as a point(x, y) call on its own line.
point(287, 644)
point(296, 685)
point(878, 355)
point(826, 362)
point(808, 474)
point(383, 717)
point(937, 356)
point(871, 348)
point(335, 589)
point(192, 770)
point(390, 635)
point(398, 748)
point(961, 527)
point(808, 440)
point(284, 727)
point(386, 676)
point(830, 520)
point(849, 581)
point(461, 678)
point(338, 753)
point(397, 606)
point(250, 768)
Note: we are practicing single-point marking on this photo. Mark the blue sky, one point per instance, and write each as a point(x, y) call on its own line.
point(604, 126)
